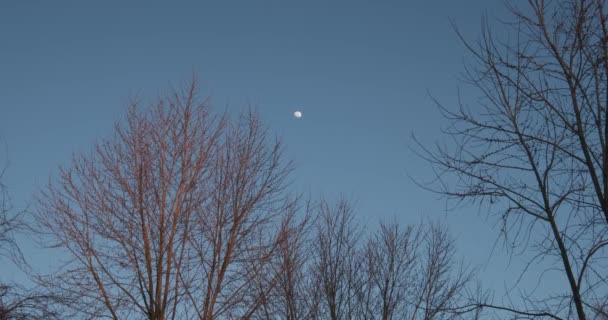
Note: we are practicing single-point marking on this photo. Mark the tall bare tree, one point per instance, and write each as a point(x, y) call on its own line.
point(317, 266)
point(442, 281)
point(412, 273)
point(295, 295)
point(163, 219)
point(534, 151)
point(238, 232)
point(389, 259)
point(337, 246)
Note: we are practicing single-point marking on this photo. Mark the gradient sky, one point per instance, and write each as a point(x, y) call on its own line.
point(359, 70)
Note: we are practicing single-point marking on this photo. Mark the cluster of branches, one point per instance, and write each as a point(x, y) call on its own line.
point(182, 214)
point(21, 303)
point(534, 151)
point(9, 223)
point(332, 269)
point(18, 302)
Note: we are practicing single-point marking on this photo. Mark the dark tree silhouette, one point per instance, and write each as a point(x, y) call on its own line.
point(534, 150)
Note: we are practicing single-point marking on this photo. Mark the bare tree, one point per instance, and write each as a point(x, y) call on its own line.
point(164, 219)
point(295, 295)
point(534, 152)
point(441, 281)
point(236, 234)
point(337, 245)
point(389, 260)
point(411, 273)
point(317, 266)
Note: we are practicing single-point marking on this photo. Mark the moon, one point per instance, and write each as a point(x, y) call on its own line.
point(297, 114)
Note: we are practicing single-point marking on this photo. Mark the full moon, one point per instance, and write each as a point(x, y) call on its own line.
point(297, 114)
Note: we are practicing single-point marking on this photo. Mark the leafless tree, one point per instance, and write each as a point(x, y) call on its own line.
point(318, 274)
point(412, 273)
point(533, 152)
point(170, 218)
point(336, 266)
point(295, 295)
point(236, 234)
point(441, 279)
point(389, 260)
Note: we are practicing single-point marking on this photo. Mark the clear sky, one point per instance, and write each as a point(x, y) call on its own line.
point(359, 71)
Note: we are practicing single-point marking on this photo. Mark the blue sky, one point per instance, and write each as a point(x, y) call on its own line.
point(359, 70)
